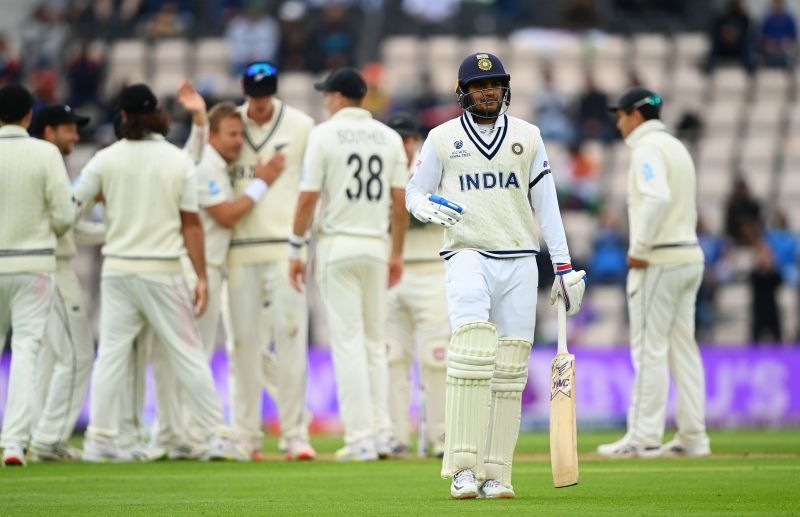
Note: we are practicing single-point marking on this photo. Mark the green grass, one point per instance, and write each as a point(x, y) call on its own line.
point(751, 472)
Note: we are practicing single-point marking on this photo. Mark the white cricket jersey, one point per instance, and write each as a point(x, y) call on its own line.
point(262, 234)
point(35, 204)
point(354, 161)
point(423, 240)
point(662, 197)
point(501, 175)
point(213, 188)
point(145, 184)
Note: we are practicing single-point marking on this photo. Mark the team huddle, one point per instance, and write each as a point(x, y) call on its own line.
point(225, 223)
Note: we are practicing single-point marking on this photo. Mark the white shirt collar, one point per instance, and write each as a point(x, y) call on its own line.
point(646, 127)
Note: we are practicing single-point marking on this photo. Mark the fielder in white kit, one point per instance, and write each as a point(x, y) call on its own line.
point(417, 324)
point(35, 209)
point(65, 362)
point(356, 167)
point(150, 195)
point(492, 174)
point(264, 307)
point(220, 213)
point(665, 271)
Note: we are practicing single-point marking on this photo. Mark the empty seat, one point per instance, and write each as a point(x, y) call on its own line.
point(126, 65)
point(729, 83)
point(689, 82)
point(772, 84)
point(171, 55)
point(400, 49)
point(491, 44)
point(580, 228)
point(691, 47)
point(651, 47)
point(607, 319)
point(733, 316)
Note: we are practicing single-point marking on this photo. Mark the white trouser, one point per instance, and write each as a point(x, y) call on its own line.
point(265, 308)
point(132, 432)
point(176, 424)
point(25, 300)
point(661, 306)
point(417, 314)
point(129, 302)
point(64, 363)
point(500, 291)
point(353, 291)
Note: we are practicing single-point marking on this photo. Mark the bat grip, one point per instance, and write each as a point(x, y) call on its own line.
point(562, 327)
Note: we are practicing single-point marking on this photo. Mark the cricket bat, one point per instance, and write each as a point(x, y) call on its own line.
point(563, 431)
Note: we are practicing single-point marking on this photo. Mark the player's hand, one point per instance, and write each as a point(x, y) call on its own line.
point(297, 274)
point(270, 171)
point(439, 210)
point(569, 285)
point(200, 297)
point(395, 270)
point(191, 101)
point(635, 263)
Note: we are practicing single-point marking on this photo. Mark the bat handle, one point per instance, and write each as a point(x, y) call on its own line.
point(562, 327)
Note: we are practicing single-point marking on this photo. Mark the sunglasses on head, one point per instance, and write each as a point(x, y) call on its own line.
point(261, 68)
point(652, 100)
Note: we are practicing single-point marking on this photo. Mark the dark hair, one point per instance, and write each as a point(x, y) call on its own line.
point(219, 113)
point(137, 126)
point(650, 112)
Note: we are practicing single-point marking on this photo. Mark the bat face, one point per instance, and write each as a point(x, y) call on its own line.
point(562, 375)
point(563, 432)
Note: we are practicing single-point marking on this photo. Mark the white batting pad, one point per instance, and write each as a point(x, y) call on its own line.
point(508, 382)
point(470, 366)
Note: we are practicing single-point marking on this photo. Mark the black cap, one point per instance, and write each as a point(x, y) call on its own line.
point(404, 124)
point(55, 115)
point(15, 102)
point(348, 81)
point(481, 65)
point(634, 98)
point(260, 79)
point(137, 98)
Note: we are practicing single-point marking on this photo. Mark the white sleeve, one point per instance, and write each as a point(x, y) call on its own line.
point(189, 195)
point(196, 142)
point(86, 187)
point(210, 192)
point(312, 174)
point(650, 178)
point(426, 178)
point(544, 202)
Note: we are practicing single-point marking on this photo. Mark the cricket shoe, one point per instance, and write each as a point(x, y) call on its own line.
point(400, 450)
point(183, 452)
point(299, 450)
point(362, 450)
point(464, 485)
point(675, 448)
point(493, 489)
point(624, 448)
point(383, 444)
point(146, 453)
point(14, 457)
point(105, 452)
point(54, 452)
point(220, 449)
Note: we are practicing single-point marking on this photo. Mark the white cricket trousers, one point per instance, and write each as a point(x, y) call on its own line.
point(25, 300)
point(129, 302)
point(176, 424)
point(353, 291)
point(499, 291)
point(661, 306)
point(65, 361)
point(417, 325)
point(266, 309)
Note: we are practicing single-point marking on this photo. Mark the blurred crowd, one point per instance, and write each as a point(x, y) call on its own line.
point(52, 52)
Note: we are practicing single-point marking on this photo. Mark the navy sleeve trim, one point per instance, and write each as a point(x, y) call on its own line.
point(538, 178)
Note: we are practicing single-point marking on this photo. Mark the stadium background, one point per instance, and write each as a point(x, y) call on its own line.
point(736, 111)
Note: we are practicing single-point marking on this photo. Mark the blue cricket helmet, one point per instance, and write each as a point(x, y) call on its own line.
point(477, 66)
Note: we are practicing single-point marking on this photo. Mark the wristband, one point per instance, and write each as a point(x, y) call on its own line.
point(296, 244)
point(256, 189)
point(562, 268)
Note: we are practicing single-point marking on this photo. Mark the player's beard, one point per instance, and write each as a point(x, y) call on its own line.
point(484, 109)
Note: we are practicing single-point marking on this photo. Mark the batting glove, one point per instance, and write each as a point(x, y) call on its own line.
point(438, 210)
point(570, 285)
